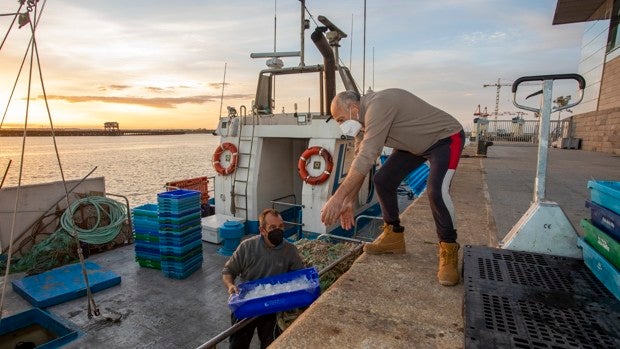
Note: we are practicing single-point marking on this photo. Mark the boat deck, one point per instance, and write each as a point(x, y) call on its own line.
point(157, 312)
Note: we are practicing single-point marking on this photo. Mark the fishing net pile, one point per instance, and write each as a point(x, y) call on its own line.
point(320, 254)
point(99, 223)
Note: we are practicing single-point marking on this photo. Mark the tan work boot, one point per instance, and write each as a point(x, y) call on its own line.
point(448, 274)
point(387, 242)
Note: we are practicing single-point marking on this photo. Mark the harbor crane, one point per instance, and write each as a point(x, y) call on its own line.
point(499, 86)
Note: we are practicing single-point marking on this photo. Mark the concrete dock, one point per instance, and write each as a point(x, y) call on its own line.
point(395, 301)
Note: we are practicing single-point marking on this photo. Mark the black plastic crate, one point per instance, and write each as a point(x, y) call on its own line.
point(518, 299)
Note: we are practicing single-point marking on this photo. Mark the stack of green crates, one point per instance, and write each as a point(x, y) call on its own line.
point(601, 242)
point(180, 232)
point(146, 235)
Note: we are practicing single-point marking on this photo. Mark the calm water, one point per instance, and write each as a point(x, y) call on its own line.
point(133, 166)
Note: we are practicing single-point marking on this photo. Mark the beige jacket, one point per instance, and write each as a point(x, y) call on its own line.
point(398, 119)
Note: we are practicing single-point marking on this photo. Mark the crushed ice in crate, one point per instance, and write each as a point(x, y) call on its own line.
point(261, 290)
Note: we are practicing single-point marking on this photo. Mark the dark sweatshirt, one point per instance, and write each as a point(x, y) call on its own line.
point(254, 260)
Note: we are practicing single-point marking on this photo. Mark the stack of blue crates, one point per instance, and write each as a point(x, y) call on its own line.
point(146, 235)
point(180, 233)
point(601, 243)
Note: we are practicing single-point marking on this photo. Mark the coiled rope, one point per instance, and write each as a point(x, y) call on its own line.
point(60, 247)
point(104, 207)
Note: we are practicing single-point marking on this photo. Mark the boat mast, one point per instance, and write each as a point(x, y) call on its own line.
point(364, 58)
point(223, 84)
point(304, 26)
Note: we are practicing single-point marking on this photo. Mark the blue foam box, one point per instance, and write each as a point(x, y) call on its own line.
point(63, 284)
point(63, 331)
point(276, 302)
point(606, 194)
point(601, 268)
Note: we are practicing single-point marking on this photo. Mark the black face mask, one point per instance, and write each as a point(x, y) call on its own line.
point(275, 236)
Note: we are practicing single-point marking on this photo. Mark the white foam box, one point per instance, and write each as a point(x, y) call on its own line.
point(211, 226)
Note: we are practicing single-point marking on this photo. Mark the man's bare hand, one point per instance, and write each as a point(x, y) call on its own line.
point(347, 221)
point(331, 211)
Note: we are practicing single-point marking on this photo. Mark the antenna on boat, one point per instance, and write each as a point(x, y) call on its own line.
point(275, 21)
point(223, 84)
point(351, 44)
point(364, 58)
point(373, 68)
point(275, 62)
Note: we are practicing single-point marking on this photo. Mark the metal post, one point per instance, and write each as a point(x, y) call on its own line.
point(303, 28)
point(543, 144)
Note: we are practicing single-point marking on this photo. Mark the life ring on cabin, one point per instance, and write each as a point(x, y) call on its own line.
point(218, 154)
point(303, 162)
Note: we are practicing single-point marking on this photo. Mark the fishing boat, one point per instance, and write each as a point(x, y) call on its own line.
point(289, 161)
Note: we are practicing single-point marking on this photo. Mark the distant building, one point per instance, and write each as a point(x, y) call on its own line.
point(596, 120)
point(111, 126)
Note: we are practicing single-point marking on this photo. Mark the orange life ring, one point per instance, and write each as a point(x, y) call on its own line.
point(218, 153)
point(303, 161)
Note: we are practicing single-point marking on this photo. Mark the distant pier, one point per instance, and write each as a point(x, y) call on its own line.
point(84, 132)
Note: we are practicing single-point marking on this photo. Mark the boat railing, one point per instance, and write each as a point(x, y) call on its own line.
point(299, 223)
point(355, 238)
point(128, 208)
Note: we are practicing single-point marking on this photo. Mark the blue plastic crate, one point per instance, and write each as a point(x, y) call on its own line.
point(146, 210)
point(168, 230)
point(166, 210)
point(180, 250)
point(178, 214)
point(181, 266)
point(155, 257)
point(146, 248)
point(604, 219)
point(182, 258)
point(193, 218)
point(606, 194)
point(179, 228)
point(601, 268)
point(147, 235)
point(174, 274)
point(146, 238)
point(179, 194)
point(277, 302)
point(145, 223)
point(180, 241)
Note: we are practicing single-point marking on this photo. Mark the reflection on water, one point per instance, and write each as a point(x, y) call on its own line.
point(133, 166)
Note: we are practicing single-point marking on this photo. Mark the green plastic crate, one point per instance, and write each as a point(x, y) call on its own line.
point(607, 246)
point(147, 263)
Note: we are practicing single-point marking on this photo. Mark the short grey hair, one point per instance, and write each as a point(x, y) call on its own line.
point(344, 99)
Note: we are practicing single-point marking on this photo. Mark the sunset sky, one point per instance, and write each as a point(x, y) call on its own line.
point(160, 64)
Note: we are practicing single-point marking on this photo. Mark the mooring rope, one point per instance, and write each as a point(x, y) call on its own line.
point(97, 234)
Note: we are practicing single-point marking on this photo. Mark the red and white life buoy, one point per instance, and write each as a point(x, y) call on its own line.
point(218, 154)
point(303, 162)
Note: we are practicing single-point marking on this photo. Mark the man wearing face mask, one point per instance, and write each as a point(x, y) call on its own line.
point(417, 132)
point(260, 256)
